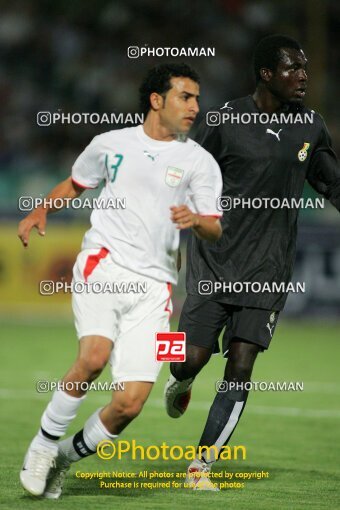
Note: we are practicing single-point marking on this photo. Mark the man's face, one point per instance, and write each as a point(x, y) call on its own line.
point(289, 82)
point(180, 105)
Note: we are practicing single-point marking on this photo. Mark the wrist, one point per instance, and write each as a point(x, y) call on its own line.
point(40, 211)
point(196, 222)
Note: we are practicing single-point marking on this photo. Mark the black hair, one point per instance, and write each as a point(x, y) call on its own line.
point(267, 52)
point(158, 80)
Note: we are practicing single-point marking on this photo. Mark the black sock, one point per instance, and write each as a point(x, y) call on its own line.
point(223, 417)
point(80, 446)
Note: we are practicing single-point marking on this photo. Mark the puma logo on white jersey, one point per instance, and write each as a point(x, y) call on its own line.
point(148, 155)
point(269, 131)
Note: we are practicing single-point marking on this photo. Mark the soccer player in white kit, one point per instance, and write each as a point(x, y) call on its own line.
point(160, 174)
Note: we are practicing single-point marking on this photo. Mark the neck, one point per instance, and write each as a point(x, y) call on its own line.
point(154, 129)
point(265, 100)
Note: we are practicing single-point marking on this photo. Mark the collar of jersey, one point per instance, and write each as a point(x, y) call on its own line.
point(151, 142)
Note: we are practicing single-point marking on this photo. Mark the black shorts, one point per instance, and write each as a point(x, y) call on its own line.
point(203, 321)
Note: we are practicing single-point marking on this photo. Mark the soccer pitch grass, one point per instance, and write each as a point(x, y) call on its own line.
point(292, 435)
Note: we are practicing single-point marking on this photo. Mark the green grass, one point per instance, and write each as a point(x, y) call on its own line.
point(292, 435)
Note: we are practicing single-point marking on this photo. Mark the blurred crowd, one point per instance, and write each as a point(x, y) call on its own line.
point(71, 56)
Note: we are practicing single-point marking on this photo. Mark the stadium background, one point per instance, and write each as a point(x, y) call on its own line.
point(72, 57)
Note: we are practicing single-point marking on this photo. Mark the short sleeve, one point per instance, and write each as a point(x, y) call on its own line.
point(206, 186)
point(88, 169)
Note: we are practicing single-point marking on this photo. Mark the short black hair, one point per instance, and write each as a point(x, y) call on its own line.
point(267, 52)
point(158, 80)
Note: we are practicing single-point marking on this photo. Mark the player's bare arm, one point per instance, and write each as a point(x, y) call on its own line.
point(37, 218)
point(204, 227)
point(179, 260)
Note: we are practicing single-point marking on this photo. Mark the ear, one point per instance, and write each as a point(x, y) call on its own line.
point(266, 74)
point(156, 101)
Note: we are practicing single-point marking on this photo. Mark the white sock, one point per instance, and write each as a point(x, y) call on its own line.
point(42, 441)
point(59, 413)
point(57, 416)
point(85, 442)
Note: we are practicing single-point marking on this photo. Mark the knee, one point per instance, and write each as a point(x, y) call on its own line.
point(127, 408)
point(240, 368)
point(93, 364)
point(182, 371)
point(196, 358)
point(241, 360)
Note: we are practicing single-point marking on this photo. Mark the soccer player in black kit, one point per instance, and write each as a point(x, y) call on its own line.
point(257, 160)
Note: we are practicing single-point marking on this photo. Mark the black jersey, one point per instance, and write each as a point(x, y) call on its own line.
point(266, 160)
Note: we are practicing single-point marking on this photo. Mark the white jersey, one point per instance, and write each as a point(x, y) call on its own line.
point(150, 176)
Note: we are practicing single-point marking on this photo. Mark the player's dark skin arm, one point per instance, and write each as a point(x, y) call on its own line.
point(324, 171)
point(204, 227)
point(37, 218)
point(179, 260)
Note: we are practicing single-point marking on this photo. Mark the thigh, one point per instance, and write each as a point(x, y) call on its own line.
point(134, 355)
point(95, 313)
point(203, 320)
point(103, 293)
point(254, 325)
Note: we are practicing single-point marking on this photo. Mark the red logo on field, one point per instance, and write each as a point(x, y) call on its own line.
point(170, 346)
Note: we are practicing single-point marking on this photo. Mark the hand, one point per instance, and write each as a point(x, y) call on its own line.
point(36, 219)
point(184, 217)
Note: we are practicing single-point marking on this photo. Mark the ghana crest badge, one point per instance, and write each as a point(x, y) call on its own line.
point(303, 153)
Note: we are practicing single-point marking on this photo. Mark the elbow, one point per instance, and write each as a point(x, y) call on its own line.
point(75, 190)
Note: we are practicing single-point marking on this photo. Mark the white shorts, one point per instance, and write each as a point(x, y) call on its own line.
point(130, 319)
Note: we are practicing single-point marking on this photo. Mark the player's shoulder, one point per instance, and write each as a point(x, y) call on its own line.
point(238, 104)
point(316, 121)
point(200, 153)
point(115, 134)
point(308, 115)
point(317, 118)
point(212, 119)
